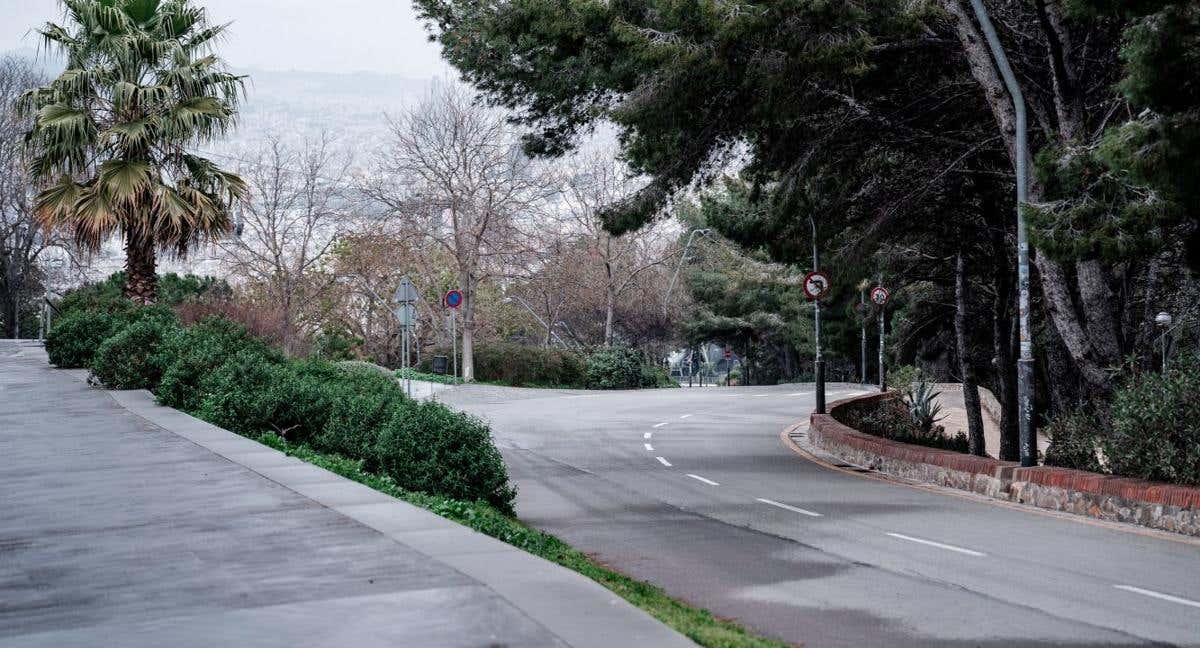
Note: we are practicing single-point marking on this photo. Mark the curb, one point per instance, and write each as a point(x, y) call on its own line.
point(574, 608)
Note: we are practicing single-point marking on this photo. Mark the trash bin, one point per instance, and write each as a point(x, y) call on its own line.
point(439, 364)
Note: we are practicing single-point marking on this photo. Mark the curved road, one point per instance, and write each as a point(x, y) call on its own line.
point(693, 490)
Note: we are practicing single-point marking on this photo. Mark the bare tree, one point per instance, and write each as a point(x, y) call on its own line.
point(595, 182)
point(22, 242)
point(291, 220)
point(454, 173)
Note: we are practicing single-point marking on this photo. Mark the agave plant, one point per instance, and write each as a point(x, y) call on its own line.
point(922, 407)
point(111, 135)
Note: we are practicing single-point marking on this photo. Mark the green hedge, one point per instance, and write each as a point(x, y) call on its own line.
point(217, 372)
point(519, 366)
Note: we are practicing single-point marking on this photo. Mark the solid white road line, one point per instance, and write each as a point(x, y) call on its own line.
point(939, 545)
point(649, 447)
point(663, 462)
point(706, 481)
point(793, 509)
point(658, 425)
point(1158, 595)
point(683, 416)
point(647, 435)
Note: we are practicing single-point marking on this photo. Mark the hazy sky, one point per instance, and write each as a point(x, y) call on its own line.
point(312, 35)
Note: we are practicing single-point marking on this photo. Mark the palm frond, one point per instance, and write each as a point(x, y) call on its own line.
point(125, 181)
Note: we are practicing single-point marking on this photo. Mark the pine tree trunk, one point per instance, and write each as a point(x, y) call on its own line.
point(141, 277)
point(977, 444)
point(1005, 362)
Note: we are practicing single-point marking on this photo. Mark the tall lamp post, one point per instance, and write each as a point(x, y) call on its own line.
point(1025, 413)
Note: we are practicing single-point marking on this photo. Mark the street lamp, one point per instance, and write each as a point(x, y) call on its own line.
point(1025, 414)
point(683, 257)
point(1164, 320)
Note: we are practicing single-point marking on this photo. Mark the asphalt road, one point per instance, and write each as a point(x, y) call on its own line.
point(692, 489)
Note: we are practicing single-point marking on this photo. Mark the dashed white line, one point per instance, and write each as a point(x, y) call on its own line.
point(663, 462)
point(758, 395)
point(789, 508)
point(706, 481)
point(649, 447)
point(658, 425)
point(683, 416)
point(798, 394)
point(1158, 595)
point(939, 545)
point(647, 435)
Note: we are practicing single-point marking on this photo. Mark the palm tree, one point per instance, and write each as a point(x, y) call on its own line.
point(111, 134)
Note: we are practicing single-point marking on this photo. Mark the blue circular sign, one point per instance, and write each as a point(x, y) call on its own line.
point(453, 299)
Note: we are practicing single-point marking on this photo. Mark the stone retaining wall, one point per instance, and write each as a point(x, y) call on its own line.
point(1150, 504)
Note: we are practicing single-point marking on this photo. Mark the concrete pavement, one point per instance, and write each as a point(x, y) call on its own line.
point(127, 524)
point(692, 490)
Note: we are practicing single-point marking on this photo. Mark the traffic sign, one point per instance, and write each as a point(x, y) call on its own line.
point(816, 284)
point(880, 296)
point(406, 292)
point(453, 299)
point(728, 353)
point(406, 314)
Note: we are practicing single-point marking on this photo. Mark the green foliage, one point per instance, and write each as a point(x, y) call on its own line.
point(333, 344)
point(74, 337)
point(1074, 439)
point(892, 419)
point(905, 377)
point(923, 406)
point(441, 379)
point(363, 407)
point(427, 447)
point(697, 624)
point(1154, 431)
point(520, 366)
point(133, 357)
point(619, 367)
point(198, 351)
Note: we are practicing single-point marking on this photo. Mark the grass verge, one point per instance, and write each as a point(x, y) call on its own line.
point(697, 624)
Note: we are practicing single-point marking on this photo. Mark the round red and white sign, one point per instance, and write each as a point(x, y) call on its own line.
point(880, 295)
point(816, 284)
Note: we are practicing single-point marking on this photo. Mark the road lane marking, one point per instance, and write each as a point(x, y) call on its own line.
point(683, 416)
point(758, 395)
point(663, 462)
point(939, 545)
point(789, 508)
point(647, 435)
point(658, 425)
point(798, 394)
point(1158, 595)
point(649, 447)
point(706, 481)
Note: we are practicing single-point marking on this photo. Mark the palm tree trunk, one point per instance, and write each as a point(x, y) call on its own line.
point(141, 277)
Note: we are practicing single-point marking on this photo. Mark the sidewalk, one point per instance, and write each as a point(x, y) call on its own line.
point(955, 411)
point(123, 523)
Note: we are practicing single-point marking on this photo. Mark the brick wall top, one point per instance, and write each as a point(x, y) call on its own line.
point(832, 431)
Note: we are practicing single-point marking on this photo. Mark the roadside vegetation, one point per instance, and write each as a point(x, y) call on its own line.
point(603, 367)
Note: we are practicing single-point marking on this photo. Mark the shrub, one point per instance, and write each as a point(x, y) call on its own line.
point(199, 350)
point(892, 419)
point(923, 406)
point(1155, 433)
point(517, 365)
point(364, 404)
point(134, 356)
point(617, 367)
point(1074, 438)
point(252, 393)
point(427, 447)
point(74, 338)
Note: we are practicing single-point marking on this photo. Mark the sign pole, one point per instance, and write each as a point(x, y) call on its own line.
point(454, 342)
point(862, 297)
point(882, 368)
point(819, 361)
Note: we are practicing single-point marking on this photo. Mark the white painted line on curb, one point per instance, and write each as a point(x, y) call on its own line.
point(663, 462)
point(789, 508)
point(706, 481)
point(647, 435)
point(683, 416)
point(1158, 595)
point(939, 545)
point(658, 425)
point(649, 447)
